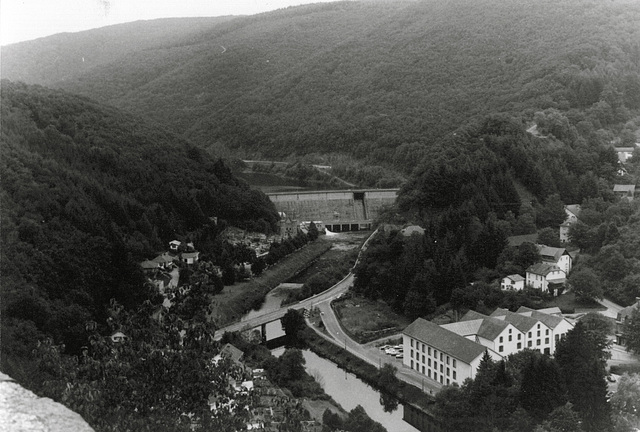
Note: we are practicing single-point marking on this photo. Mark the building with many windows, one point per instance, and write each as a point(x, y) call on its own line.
point(451, 353)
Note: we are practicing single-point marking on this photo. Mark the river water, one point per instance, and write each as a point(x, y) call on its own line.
point(349, 391)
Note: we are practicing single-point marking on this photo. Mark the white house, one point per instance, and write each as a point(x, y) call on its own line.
point(451, 353)
point(498, 335)
point(440, 354)
point(190, 257)
point(536, 334)
point(174, 245)
point(556, 256)
point(558, 325)
point(545, 277)
point(513, 282)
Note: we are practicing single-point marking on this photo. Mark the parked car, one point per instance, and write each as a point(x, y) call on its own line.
point(385, 347)
point(400, 356)
point(391, 351)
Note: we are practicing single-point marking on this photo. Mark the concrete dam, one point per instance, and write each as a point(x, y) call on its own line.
point(335, 210)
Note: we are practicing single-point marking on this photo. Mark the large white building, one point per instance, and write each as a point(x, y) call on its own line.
point(451, 353)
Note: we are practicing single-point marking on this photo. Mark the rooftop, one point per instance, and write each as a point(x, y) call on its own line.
point(444, 340)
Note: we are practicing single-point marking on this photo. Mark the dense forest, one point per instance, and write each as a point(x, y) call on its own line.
point(491, 116)
point(381, 82)
point(88, 192)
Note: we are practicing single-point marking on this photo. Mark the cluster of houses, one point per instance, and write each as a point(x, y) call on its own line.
point(451, 353)
point(270, 408)
point(548, 276)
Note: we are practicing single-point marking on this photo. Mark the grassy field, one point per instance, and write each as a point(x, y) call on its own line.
point(236, 300)
point(366, 320)
point(568, 304)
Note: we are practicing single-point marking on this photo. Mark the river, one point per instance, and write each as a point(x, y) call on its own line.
point(349, 391)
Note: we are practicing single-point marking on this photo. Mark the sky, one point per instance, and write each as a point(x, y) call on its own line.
point(22, 20)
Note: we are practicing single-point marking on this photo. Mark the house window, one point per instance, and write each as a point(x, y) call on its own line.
point(441, 369)
point(422, 358)
point(546, 341)
point(538, 326)
point(448, 372)
point(519, 336)
point(423, 348)
point(500, 348)
point(509, 338)
point(557, 338)
point(429, 350)
point(435, 353)
point(441, 379)
point(529, 344)
point(519, 345)
point(529, 334)
point(411, 343)
point(538, 342)
point(454, 374)
point(538, 333)
point(411, 364)
point(454, 364)
point(447, 359)
point(429, 373)
point(510, 331)
point(429, 362)
point(423, 369)
point(441, 357)
point(501, 339)
point(448, 382)
point(546, 332)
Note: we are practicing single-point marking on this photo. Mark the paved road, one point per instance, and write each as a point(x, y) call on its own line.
point(371, 354)
point(330, 294)
point(612, 308)
point(336, 335)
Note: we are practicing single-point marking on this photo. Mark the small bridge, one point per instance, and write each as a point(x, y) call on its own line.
point(269, 324)
point(337, 210)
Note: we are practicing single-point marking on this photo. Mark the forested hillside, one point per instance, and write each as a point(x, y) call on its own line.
point(381, 81)
point(65, 56)
point(87, 193)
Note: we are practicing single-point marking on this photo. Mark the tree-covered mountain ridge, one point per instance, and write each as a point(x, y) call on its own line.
point(87, 193)
point(376, 80)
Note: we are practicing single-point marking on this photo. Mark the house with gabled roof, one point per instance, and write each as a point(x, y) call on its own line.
point(545, 277)
point(536, 334)
point(164, 260)
point(498, 335)
point(190, 257)
point(556, 256)
point(573, 213)
point(625, 191)
point(552, 318)
point(513, 282)
point(451, 353)
point(622, 318)
point(440, 354)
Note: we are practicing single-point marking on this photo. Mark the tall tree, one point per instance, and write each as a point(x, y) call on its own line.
point(582, 358)
point(631, 331)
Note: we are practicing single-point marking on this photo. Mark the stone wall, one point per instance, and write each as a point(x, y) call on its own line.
point(22, 411)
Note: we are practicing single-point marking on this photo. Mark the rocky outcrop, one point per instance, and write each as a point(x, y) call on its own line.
point(22, 411)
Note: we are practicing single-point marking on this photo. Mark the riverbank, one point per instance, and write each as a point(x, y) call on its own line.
point(237, 300)
point(368, 373)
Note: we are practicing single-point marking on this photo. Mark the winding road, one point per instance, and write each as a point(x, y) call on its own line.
point(334, 333)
